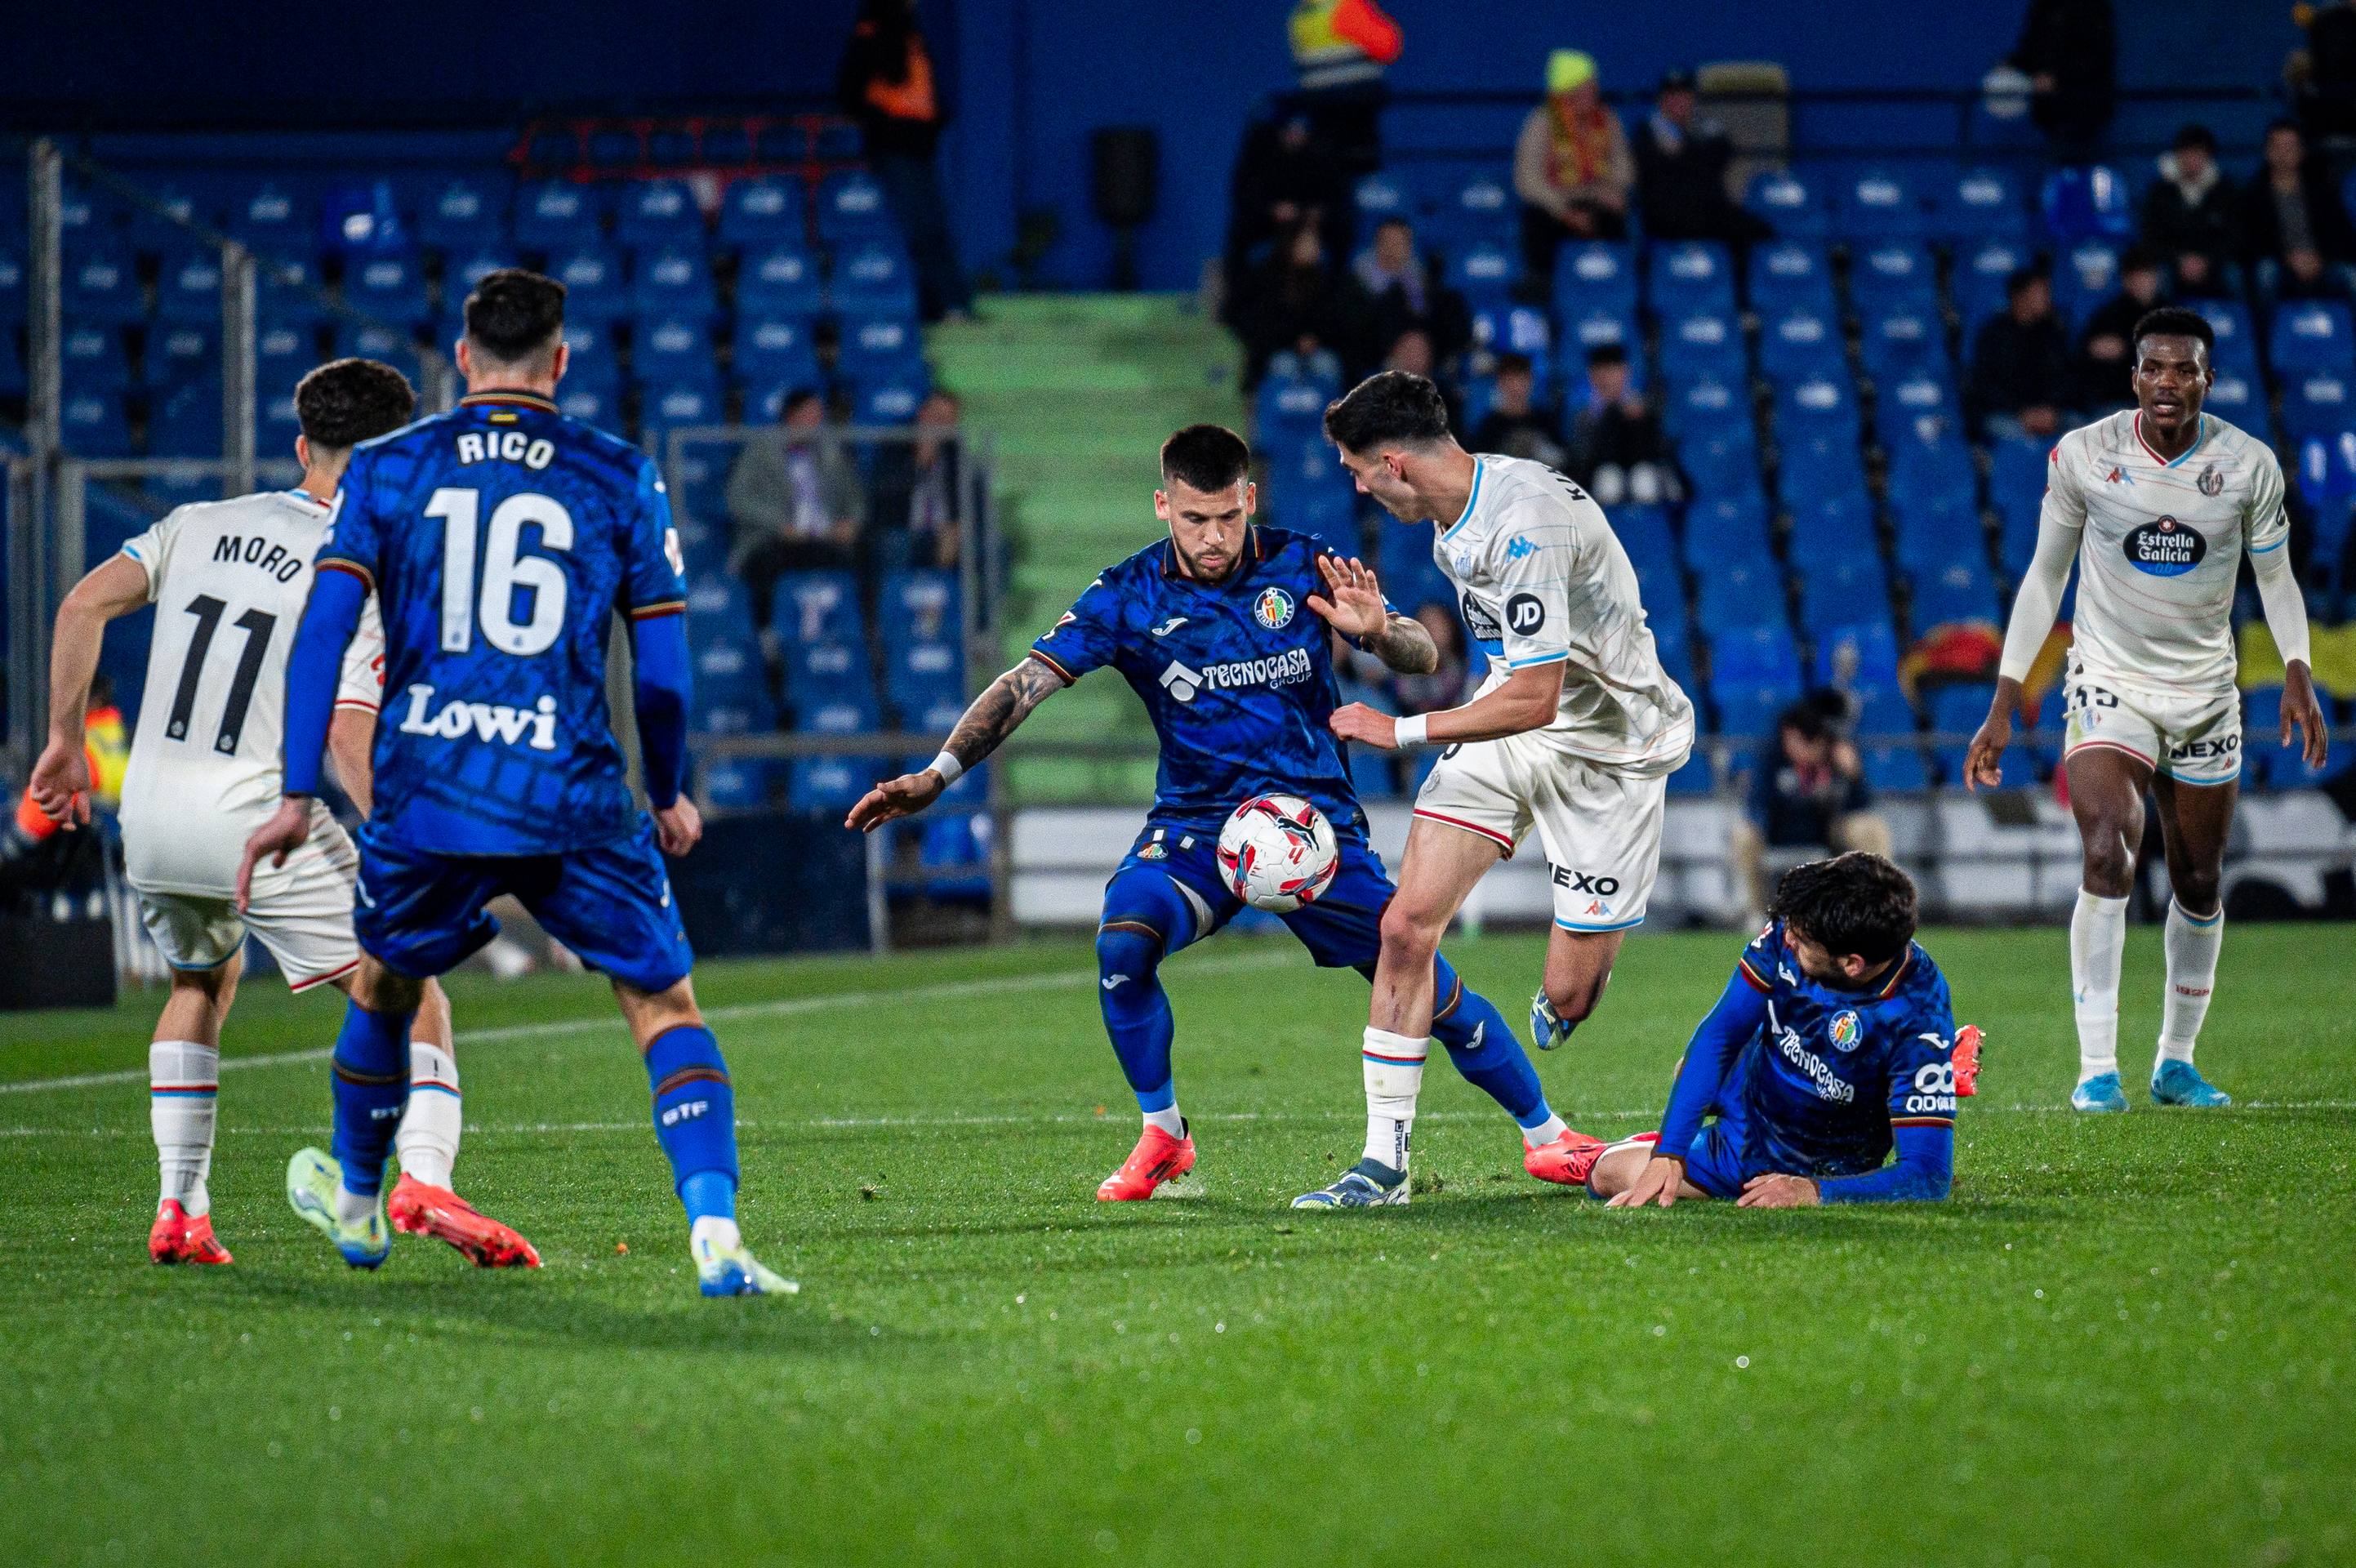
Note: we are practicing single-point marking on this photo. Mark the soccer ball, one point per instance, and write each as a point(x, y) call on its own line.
point(1277, 853)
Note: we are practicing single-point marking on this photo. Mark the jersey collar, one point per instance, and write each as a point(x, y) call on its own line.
point(302, 497)
point(1471, 500)
point(522, 399)
point(2199, 433)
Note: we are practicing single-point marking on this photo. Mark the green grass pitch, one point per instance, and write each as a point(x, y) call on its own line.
point(2126, 1340)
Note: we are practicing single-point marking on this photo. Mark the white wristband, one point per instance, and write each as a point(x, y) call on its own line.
point(948, 768)
point(1410, 729)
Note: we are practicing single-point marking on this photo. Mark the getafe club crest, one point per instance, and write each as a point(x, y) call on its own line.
point(1845, 1031)
point(2212, 483)
point(1273, 608)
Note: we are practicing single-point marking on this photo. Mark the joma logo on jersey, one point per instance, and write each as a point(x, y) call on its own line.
point(1277, 670)
point(2165, 549)
point(485, 720)
point(266, 554)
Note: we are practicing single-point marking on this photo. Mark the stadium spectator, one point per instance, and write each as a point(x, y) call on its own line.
point(1398, 290)
point(1516, 425)
point(1681, 164)
point(796, 504)
point(2321, 75)
point(1808, 795)
point(885, 84)
point(2105, 344)
point(2295, 230)
point(1339, 49)
point(2189, 215)
point(2021, 362)
point(2069, 51)
point(1572, 166)
point(1412, 351)
point(1285, 175)
point(1292, 301)
point(916, 495)
point(1617, 449)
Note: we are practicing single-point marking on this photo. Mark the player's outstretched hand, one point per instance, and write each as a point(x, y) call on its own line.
point(1355, 721)
point(1656, 1183)
point(895, 798)
point(281, 836)
point(1984, 763)
point(60, 784)
point(2301, 712)
point(1353, 601)
point(679, 827)
point(1778, 1191)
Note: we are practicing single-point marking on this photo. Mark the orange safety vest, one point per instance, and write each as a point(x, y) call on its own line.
point(106, 747)
point(1338, 41)
point(912, 98)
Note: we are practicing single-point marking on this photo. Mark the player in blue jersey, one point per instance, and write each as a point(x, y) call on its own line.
point(501, 539)
point(1834, 1041)
point(1225, 631)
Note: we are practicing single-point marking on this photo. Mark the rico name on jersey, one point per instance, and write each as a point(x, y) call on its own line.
point(1237, 678)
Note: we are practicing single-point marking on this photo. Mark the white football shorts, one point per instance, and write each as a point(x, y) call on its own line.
point(302, 913)
point(2193, 738)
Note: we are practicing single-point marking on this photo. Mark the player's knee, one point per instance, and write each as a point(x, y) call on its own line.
point(2196, 892)
point(379, 990)
point(1408, 936)
point(1615, 1169)
point(215, 985)
point(1575, 997)
point(1129, 950)
point(2109, 863)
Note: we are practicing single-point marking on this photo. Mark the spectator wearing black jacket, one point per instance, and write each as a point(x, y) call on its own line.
point(1397, 289)
point(1681, 164)
point(1516, 423)
point(2105, 345)
point(2190, 217)
point(885, 83)
point(2293, 222)
point(1285, 175)
point(1294, 299)
point(2020, 371)
point(2069, 51)
point(1617, 449)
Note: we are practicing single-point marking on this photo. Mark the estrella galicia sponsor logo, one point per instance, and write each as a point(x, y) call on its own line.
point(2165, 549)
point(1478, 620)
point(1525, 613)
point(2212, 483)
point(1285, 669)
point(1845, 1031)
point(484, 721)
point(1273, 608)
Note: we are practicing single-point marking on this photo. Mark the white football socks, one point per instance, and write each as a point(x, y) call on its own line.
point(428, 1140)
point(351, 1208)
point(1545, 1133)
point(717, 1230)
point(2098, 932)
point(183, 1087)
point(1394, 1067)
point(1168, 1119)
point(2191, 975)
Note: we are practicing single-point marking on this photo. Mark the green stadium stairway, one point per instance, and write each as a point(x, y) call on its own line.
point(1076, 393)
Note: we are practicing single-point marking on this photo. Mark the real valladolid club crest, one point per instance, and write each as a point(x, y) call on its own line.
point(2212, 483)
point(1273, 608)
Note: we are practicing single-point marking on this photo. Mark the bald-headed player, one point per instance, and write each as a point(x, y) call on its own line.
point(2157, 507)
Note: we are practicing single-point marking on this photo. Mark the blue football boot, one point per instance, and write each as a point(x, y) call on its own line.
point(2181, 1083)
point(1369, 1184)
point(312, 1179)
point(2099, 1094)
point(1547, 1028)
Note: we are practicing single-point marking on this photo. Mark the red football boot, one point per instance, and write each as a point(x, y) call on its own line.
point(177, 1239)
point(1157, 1157)
point(1967, 1058)
point(1566, 1160)
point(436, 1211)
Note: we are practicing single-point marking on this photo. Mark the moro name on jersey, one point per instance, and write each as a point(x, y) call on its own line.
point(258, 551)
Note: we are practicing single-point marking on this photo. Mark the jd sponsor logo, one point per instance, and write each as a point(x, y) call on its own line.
point(2165, 549)
point(485, 720)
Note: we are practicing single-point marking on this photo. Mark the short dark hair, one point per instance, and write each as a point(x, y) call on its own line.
point(1516, 365)
point(2286, 123)
point(795, 399)
point(346, 401)
point(2138, 258)
point(1396, 221)
point(1854, 903)
point(514, 314)
point(2174, 321)
point(1390, 408)
point(1206, 457)
point(1808, 718)
point(2020, 280)
point(1607, 354)
point(2194, 135)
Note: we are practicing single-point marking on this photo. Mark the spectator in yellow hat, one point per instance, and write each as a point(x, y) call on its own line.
point(1572, 166)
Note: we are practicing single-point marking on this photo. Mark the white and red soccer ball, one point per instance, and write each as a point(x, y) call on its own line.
point(1278, 853)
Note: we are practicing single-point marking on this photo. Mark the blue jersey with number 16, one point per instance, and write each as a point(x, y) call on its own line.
point(500, 538)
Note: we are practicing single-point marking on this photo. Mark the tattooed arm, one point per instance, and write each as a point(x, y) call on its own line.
point(994, 715)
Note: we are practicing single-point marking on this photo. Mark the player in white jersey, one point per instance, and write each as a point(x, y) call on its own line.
point(2156, 508)
point(228, 580)
point(1575, 731)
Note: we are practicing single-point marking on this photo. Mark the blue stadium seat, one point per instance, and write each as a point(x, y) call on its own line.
point(1895, 766)
point(1790, 276)
point(674, 280)
point(188, 424)
point(1740, 593)
point(1644, 534)
point(1801, 345)
point(819, 606)
point(2088, 202)
point(1820, 468)
point(594, 403)
point(1480, 207)
point(1934, 531)
point(718, 610)
point(13, 382)
point(1790, 203)
point(1832, 534)
point(188, 284)
point(1880, 204)
point(2235, 396)
point(466, 213)
point(2084, 276)
point(286, 288)
point(780, 279)
point(1758, 653)
point(889, 398)
point(1891, 274)
point(390, 287)
point(2312, 335)
point(1960, 590)
point(1501, 327)
point(1695, 778)
point(92, 357)
point(1979, 203)
point(732, 695)
point(1981, 270)
point(152, 232)
point(282, 355)
point(1903, 339)
point(463, 269)
point(2017, 470)
point(1689, 277)
point(12, 278)
point(917, 675)
point(1857, 645)
point(662, 409)
point(181, 353)
point(739, 783)
point(918, 605)
point(2237, 339)
point(1723, 462)
point(1906, 398)
point(558, 216)
point(775, 351)
point(880, 346)
point(851, 205)
point(2318, 403)
point(655, 214)
point(395, 345)
point(272, 219)
point(673, 350)
point(829, 687)
point(1747, 710)
point(1595, 275)
point(1724, 529)
point(760, 211)
point(591, 273)
point(93, 425)
point(1706, 405)
point(829, 784)
point(1382, 194)
point(1592, 329)
point(1958, 707)
point(1820, 408)
point(1483, 271)
point(593, 359)
point(699, 485)
point(873, 279)
point(1703, 345)
point(102, 285)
